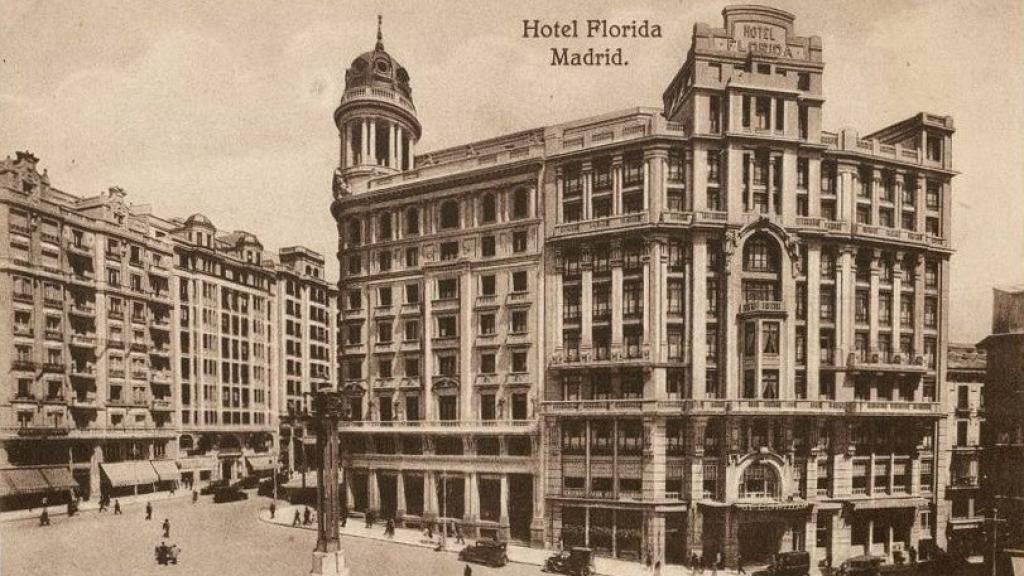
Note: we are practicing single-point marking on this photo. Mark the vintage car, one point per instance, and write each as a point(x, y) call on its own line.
point(212, 487)
point(576, 561)
point(229, 494)
point(486, 551)
point(796, 563)
point(863, 566)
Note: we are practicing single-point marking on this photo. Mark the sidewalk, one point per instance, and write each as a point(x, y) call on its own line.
point(356, 527)
point(56, 510)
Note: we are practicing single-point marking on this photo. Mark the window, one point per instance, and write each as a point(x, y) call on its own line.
point(449, 215)
point(448, 408)
point(488, 208)
point(519, 241)
point(384, 296)
point(521, 203)
point(412, 293)
point(519, 359)
point(487, 363)
point(520, 321)
point(385, 231)
point(355, 300)
point(713, 167)
point(412, 257)
point(355, 266)
point(412, 222)
point(770, 337)
point(384, 332)
point(759, 481)
point(355, 233)
point(449, 250)
point(714, 114)
point(931, 306)
point(487, 324)
point(759, 256)
point(447, 288)
point(412, 330)
point(384, 260)
point(487, 246)
point(519, 281)
point(487, 285)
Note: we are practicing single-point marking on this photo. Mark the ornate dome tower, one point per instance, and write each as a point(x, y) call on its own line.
point(376, 119)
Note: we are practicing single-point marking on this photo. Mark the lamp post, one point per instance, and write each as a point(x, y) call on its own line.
point(328, 559)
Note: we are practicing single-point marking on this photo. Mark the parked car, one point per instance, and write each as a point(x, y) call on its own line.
point(248, 482)
point(212, 487)
point(266, 487)
point(486, 551)
point(576, 561)
point(788, 564)
point(862, 565)
point(229, 494)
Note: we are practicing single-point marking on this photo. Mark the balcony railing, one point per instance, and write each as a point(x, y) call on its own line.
point(23, 364)
point(762, 306)
point(21, 330)
point(739, 406)
point(600, 224)
point(885, 360)
point(613, 355)
point(522, 426)
point(83, 340)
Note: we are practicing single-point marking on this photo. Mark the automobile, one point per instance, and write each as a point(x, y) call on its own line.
point(248, 482)
point(486, 551)
point(576, 561)
point(212, 487)
point(266, 487)
point(229, 494)
point(797, 563)
point(863, 565)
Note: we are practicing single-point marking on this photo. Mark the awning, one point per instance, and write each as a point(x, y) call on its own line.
point(773, 506)
point(1017, 562)
point(130, 473)
point(261, 463)
point(198, 463)
point(60, 478)
point(166, 470)
point(26, 480)
point(886, 503)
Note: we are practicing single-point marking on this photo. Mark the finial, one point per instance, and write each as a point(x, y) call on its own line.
point(380, 36)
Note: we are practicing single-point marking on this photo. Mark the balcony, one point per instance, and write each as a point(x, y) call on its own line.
point(162, 323)
point(55, 303)
point(78, 247)
point(82, 277)
point(50, 238)
point(894, 408)
point(161, 405)
point(138, 347)
point(139, 374)
point(434, 426)
point(83, 340)
point(616, 355)
point(601, 224)
point(83, 372)
point(37, 430)
point(53, 334)
point(964, 483)
point(115, 342)
point(773, 307)
point(85, 402)
point(115, 314)
point(138, 319)
point(822, 225)
point(161, 377)
point(885, 361)
point(518, 297)
point(23, 364)
point(582, 407)
point(53, 367)
point(162, 351)
point(117, 373)
point(25, 297)
point(83, 310)
point(22, 330)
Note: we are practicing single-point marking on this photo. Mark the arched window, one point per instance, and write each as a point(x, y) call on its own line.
point(355, 233)
point(412, 221)
point(488, 208)
point(450, 214)
point(759, 481)
point(760, 254)
point(521, 203)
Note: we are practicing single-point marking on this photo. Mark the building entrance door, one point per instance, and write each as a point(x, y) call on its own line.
point(675, 538)
point(759, 541)
point(225, 469)
point(520, 506)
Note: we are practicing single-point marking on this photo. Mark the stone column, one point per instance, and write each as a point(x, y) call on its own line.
point(392, 146)
point(503, 526)
point(430, 504)
point(412, 153)
point(427, 374)
point(399, 147)
point(588, 191)
point(897, 297)
point(617, 185)
point(537, 522)
point(364, 143)
point(873, 303)
point(94, 470)
point(466, 338)
point(770, 183)
point(372, 492)
point(399, 497)
point(748, 192)
point(373, 143)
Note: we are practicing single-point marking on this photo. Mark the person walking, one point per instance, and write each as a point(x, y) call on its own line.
point(149, 510)
point(117, 507)
point(344, 516)
point(167, 528)
point(44, 518)
point(459, 539)
point(273, 510)
point(195, 496)
point(739, 565)
point(297, 519)
point(467, 571)
point(306, 516)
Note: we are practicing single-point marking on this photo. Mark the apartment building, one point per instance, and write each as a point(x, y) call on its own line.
point(1002, 484)
point(965, 385)
point(735, 322)
point(142, 351)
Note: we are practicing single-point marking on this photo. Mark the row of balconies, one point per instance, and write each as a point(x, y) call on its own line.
point(713, 406)
point(497, 426)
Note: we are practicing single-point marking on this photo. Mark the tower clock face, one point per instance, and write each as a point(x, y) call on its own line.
point(382, 67)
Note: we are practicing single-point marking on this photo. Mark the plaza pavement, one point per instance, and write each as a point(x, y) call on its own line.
point(356, 527)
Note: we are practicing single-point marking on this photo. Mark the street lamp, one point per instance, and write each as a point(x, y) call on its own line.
point(328, 559)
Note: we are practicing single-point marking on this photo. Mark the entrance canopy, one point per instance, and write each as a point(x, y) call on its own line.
point(887, 503)
point(166, 470)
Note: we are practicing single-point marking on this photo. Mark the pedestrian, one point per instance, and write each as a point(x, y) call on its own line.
point(297, 519)
point(273, 509)
point(700, 564)
point(739, 565)
point(149, 511)
point(344, 516)
point(912, 552)
point(467, 571)
point(44, 518)
point(430, 531)
point(103, 504)
point(657, 568)
point(195, 496)
point(71, 508)
point(167, 528)
point(459, 539)
point(117, 507)
point(306, 516)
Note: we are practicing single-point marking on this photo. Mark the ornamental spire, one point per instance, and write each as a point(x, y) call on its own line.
point(380, 36)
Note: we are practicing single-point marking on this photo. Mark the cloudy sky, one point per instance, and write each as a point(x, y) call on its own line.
point(226, 108)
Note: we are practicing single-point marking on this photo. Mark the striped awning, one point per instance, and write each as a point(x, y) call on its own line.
point(26, 480)
point(60, 478)
point(166, 470)
point(130, 473)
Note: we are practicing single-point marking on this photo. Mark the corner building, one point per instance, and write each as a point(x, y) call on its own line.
point(735, 321)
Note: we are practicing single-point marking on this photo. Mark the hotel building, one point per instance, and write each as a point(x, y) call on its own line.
point(709, 327)
point(140, 351)
point(1002, 483)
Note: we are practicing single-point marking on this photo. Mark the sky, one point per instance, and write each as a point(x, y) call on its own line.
point(225, 108)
